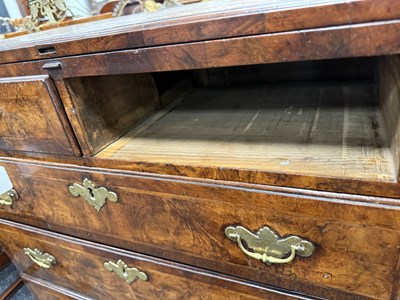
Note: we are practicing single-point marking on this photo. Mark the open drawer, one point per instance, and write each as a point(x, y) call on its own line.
point(317, 124)
point(32, 119)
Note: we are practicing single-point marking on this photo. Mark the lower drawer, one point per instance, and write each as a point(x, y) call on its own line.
point(104, 272)
point(44, 290)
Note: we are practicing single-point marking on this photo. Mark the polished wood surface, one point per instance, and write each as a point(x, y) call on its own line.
point(185, 221)
point(44, 290)
point(196, 22)
point(297, 45)
point(80, 267)
point(32, 119)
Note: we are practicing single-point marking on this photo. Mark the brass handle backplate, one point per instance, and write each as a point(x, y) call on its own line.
point(266, 245)
point(96, 197)
point(43, 260)
point(123, 271)
point(9, 197)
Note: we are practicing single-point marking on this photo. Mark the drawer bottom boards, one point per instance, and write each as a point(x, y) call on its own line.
point(103, 272)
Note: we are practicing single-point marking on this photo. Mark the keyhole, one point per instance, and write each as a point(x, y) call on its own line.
point(91, 192)
point(125, 274)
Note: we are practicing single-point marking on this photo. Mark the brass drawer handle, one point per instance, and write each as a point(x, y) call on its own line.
point(9, 197)
point(43, 260)
point(123, 271)
point(266, 245)
point(96, 197)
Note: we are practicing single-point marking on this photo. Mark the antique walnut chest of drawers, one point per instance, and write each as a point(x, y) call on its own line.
point(222, 150)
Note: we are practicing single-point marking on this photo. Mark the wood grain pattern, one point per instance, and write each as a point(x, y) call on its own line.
point(320, 129)
point(109, 106)
point(31, 118)
point(234, 177)
point(184, 221)
point(389, 90)
point(80, 267)
point(44, 290)
point(196, 22)
point(299, 45)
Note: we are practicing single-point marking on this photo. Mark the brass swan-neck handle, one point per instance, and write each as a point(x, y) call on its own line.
point(43, 260)
point(267, 246)
point(266, 258)
point(9, 197)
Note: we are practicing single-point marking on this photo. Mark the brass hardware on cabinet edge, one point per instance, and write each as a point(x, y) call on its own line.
point(123, 271)
point(43, 260)
point(266, 245)
point(96, 197)
point(52, 66)
point(9, 197)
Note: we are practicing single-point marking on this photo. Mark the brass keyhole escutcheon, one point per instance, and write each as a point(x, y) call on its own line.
point(96, 197)
point(124, 272)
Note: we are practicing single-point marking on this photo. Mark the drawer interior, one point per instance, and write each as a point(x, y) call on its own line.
point(333, 118)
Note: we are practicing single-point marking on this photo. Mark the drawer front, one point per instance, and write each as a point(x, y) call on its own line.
point(31, 117)
point(44, 290)
point(108, 273)
point(355, 245)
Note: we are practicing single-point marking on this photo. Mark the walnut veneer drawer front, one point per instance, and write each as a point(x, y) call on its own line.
point(31, 117)
point(108, 273)
point(45, 290)
point(355, 238)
